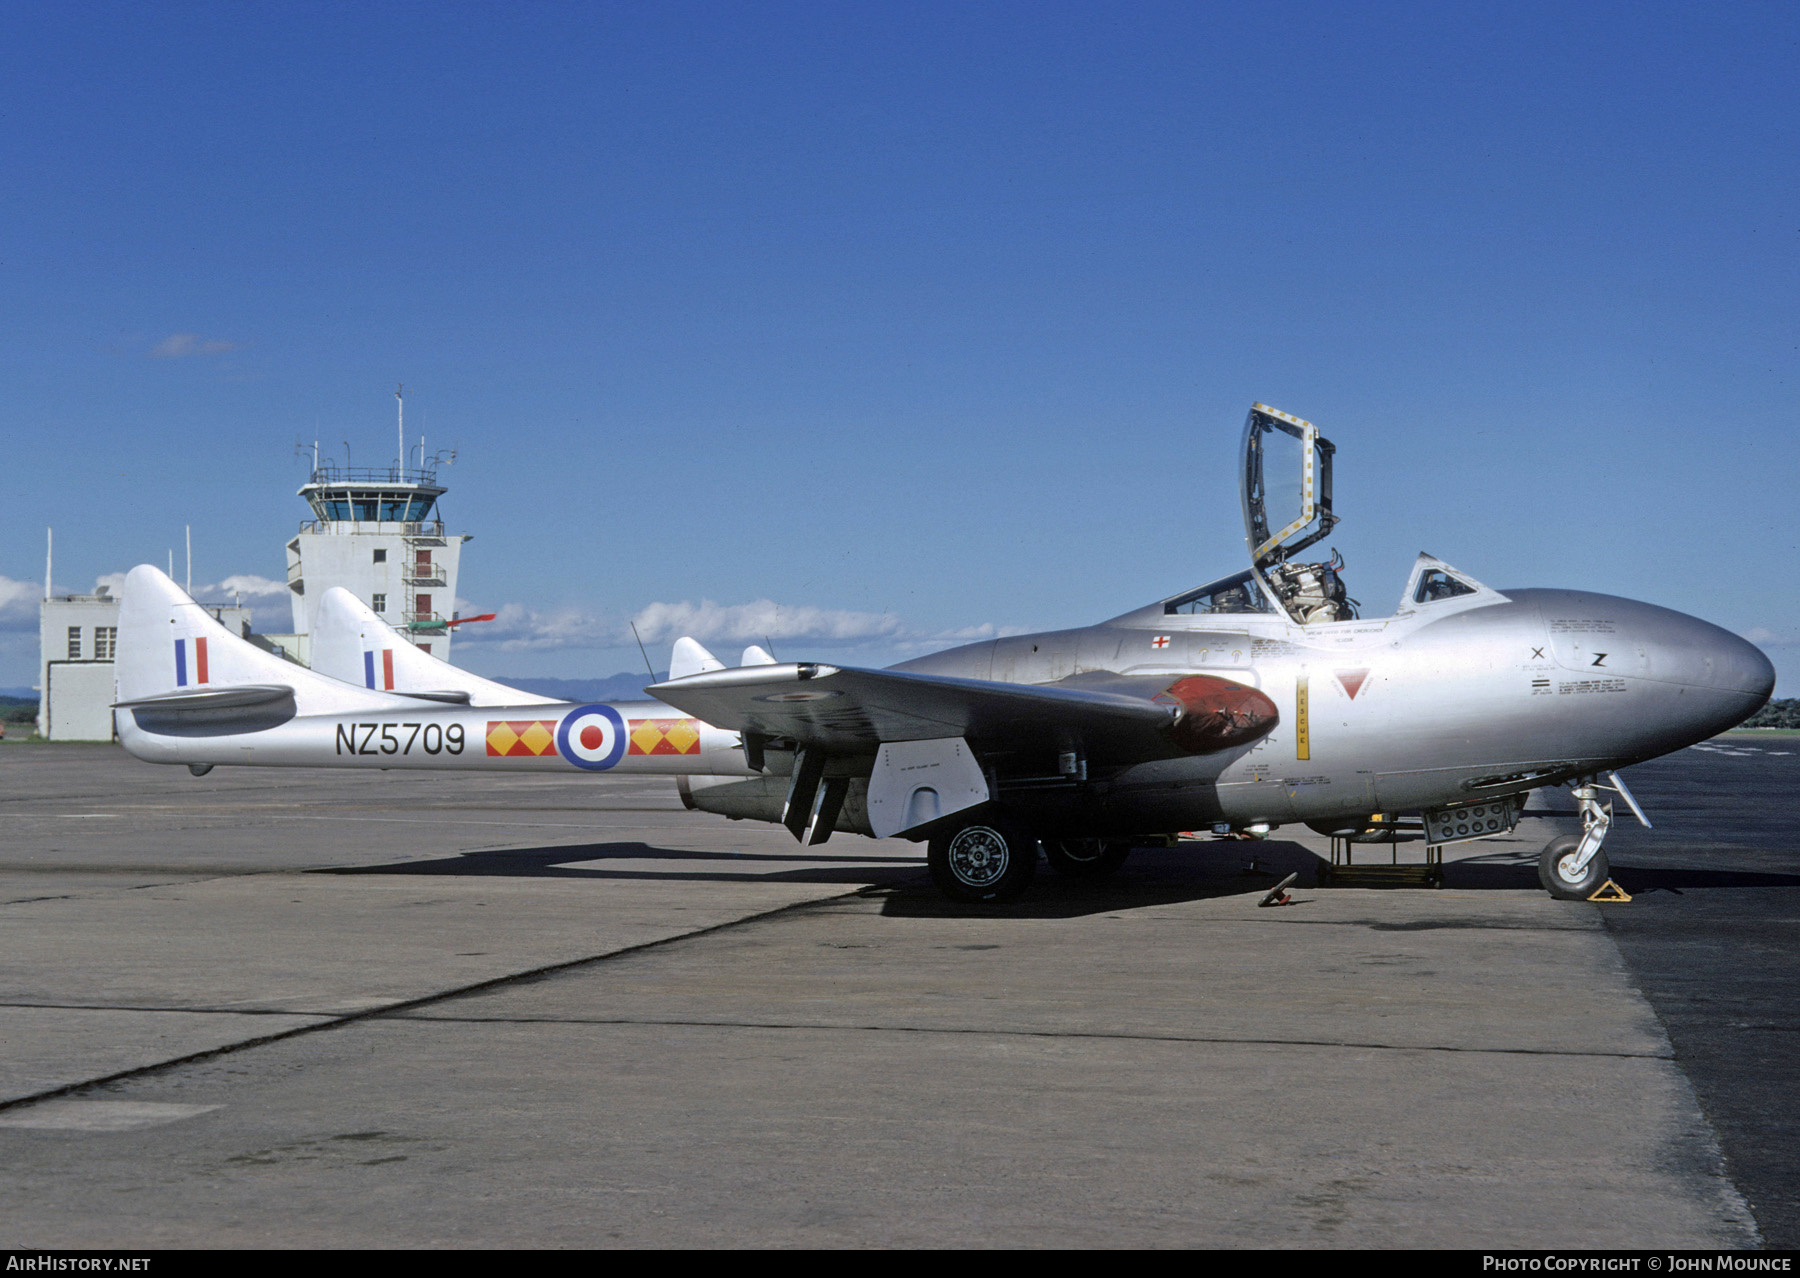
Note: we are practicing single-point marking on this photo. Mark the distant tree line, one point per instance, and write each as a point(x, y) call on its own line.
point(1777, 714)
point(18, 709)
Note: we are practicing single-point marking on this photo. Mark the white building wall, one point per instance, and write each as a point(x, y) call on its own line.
point(78, 697)
point(75, 630)
point(76, 638)
point(382, 566)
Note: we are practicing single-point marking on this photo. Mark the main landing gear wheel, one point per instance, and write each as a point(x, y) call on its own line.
point(1086, 858)
point(1556, 870)
point(989, 859)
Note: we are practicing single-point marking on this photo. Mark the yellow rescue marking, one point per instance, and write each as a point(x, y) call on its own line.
point(1302, 721)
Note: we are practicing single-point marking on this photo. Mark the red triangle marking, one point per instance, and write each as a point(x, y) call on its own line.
point(1352, 681)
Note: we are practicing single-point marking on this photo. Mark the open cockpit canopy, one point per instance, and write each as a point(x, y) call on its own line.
point(1286, 488)
point(1285, 482)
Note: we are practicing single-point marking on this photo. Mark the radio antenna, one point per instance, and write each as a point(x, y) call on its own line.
point(642, 653)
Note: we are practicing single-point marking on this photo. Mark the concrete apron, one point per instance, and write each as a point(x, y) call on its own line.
point(1150, 1062)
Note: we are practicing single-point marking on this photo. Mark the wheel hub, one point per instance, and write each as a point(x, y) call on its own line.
point(978, 856)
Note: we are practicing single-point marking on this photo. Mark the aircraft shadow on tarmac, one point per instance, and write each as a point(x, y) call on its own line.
point(1153, 876)
point(574, 861)
point(1519, 870)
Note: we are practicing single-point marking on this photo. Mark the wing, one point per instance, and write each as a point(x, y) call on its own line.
point(844, 709)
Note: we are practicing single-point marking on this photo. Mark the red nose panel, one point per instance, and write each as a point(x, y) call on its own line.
point(1217, 713)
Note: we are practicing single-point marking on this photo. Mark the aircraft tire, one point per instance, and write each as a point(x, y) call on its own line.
point(1556, 883)
point(987, 860)
point(1086, 858)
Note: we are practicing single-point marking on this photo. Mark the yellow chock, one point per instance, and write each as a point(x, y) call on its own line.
point(1610, 891)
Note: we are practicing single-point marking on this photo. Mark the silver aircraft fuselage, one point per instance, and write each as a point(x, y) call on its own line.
point(1440, 704)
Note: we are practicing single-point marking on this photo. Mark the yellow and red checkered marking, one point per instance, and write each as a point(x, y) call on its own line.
point(665, 736)
point(513, 738)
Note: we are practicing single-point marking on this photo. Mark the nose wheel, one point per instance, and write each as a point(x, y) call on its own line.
point(1565, 874)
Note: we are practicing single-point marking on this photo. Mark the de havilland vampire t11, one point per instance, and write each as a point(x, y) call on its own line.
point(1259, 699)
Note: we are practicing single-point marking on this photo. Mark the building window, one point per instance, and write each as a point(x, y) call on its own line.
point(381, 556)
point(378, 602)
point(106, 642)
point(74, 643)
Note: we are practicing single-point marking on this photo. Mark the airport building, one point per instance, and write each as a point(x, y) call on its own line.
point(77, 637)
point(378, 534)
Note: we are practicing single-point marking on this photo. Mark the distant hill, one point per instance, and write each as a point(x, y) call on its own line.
point(624, 686)
point(18, 710)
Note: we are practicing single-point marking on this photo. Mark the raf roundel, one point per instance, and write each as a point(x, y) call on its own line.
point(591, 737)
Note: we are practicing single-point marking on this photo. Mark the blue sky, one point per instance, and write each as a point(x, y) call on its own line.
point(873, 325)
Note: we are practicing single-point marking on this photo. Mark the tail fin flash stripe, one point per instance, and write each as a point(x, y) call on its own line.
point(180, 663)
point(200, 659)
point(368, 669)
point(387, 668)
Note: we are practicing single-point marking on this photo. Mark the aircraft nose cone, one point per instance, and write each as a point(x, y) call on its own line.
point(1697, 654)
point(1750, 670)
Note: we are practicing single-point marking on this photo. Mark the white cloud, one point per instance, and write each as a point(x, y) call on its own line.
point(246, 585)
point(763, 618)
point(19, 603)
point(516, 628)
point(181, 345)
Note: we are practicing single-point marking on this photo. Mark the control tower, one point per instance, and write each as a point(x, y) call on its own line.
point(378, 534)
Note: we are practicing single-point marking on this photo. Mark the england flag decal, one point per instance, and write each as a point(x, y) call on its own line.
point(591, 737)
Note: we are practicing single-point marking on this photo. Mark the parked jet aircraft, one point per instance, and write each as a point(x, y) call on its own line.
point(1254, 700)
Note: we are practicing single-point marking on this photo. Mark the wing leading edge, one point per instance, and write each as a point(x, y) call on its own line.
point(850, 710)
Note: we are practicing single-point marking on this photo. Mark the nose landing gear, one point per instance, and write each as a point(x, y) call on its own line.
point(1573, 867)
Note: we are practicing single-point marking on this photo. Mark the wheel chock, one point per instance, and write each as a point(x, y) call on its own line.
point(1610, 891)
point(1278, 894)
